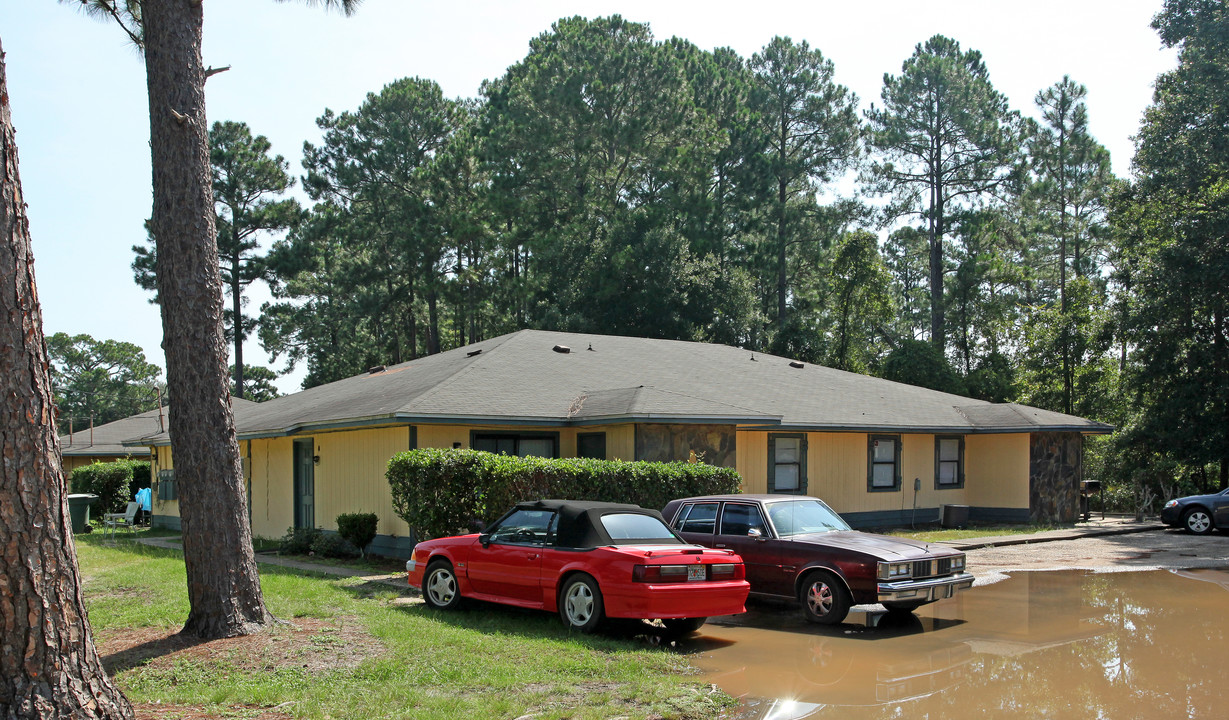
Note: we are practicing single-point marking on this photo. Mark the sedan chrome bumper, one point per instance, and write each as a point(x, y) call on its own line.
point(927, 590)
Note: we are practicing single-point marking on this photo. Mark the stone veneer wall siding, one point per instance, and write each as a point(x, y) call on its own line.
point(1054, 472)
point(713, 444)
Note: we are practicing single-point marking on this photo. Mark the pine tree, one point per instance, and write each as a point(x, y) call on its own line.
point(49, 666)
point(945, 139)
point(223, 586)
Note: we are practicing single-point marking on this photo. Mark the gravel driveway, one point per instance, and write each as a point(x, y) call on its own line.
point(1153, 550)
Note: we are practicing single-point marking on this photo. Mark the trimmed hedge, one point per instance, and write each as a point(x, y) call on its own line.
point(359, 529)
point(446, 492)
point(112, 482)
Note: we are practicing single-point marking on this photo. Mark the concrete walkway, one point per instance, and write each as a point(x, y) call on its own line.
point(396, 580)
point(1094, 527)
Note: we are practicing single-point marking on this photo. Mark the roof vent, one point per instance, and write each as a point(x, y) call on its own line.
point(796, 364)
point(562, 349)
point(472, 353)
point(374, 370)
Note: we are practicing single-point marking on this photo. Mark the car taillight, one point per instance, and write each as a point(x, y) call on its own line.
point(659, 573)
point(726, 571)
point(679, 573)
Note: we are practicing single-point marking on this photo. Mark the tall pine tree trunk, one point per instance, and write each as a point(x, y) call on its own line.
point(223, 586)
point(782, 277)
point(433, 319)
point(938, 318)
point(236, 294)
point(934, 165)
point(49, 667)
point(237, 322)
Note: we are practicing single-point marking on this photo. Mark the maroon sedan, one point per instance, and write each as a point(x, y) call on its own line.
point(796, 547)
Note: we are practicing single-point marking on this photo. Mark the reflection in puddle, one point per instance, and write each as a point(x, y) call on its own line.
point(1053, 645)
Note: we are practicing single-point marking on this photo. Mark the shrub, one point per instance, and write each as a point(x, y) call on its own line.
point(332, 545)
point(1115, 499)
point(442, 492)
point(109, 481)
point(298, 541)
point(359, 529)
point(141, 476)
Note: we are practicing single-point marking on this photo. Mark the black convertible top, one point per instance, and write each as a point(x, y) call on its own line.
point(580, 523)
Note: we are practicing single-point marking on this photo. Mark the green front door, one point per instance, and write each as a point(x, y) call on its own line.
point(304, 484)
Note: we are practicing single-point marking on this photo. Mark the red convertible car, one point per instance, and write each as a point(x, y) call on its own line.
point(586, 560)
point(795, 547)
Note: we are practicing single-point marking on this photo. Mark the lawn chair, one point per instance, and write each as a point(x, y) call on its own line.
point(128, 519)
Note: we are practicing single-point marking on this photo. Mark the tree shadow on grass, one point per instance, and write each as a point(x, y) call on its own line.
point(127, 545)
point(614, 634)
point(158, 644)
point(313, 645)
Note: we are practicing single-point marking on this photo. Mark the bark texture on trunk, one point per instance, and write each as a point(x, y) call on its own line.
point(223, 586)
point(236, 294)
point(49, 666)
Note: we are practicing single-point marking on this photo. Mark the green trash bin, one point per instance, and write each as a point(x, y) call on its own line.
point(79, 509)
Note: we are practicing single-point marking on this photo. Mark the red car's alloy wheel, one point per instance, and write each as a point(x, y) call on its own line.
point(581, 605)
point(439, 587)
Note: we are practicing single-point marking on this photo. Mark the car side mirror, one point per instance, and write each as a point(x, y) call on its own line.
point(755, 533)
point(485, 540)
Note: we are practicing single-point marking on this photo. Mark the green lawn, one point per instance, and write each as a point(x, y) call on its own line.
point(362, 650)
point(938, 534)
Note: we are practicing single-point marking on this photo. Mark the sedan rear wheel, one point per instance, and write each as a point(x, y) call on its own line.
point(439, 586)
point(1198, 521)
point(824, 598)
point(580, 604)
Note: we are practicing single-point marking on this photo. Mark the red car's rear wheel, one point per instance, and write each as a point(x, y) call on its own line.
point(580, 604)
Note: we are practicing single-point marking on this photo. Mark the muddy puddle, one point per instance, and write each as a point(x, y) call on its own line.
point(1037, 645)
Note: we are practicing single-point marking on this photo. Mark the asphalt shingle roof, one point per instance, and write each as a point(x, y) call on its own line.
point(109, 438)
point(521, 379)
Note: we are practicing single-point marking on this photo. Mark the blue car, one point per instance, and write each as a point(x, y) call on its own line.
point(1199, 514)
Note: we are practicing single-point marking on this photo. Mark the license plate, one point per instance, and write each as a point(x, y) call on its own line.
point(695, 572)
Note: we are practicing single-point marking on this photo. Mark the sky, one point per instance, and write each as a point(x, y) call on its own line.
point(77, 91)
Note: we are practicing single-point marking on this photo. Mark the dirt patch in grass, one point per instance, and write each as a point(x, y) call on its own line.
point(123, 592)
point(310, 643)
point(370, 564)
point(160, 711)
